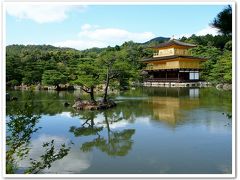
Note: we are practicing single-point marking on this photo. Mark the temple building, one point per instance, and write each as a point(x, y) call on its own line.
point(173, 64)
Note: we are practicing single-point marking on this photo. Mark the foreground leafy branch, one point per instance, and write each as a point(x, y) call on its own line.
point(21, 125)
point(50, 155)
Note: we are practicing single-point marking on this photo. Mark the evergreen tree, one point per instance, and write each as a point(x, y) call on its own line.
point(223, 21)
point(53, 77)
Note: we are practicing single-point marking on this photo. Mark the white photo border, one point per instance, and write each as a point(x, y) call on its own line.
point(138, 176)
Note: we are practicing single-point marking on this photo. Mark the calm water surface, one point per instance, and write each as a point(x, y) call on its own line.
point(152, 130)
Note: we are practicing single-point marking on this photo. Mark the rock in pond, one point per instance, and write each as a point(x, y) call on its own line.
point(89, 105)
point(66, 104)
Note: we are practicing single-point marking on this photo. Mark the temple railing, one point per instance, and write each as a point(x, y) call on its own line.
point(168, 80)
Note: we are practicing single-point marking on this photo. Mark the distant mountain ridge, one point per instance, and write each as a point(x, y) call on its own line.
point(16, 47)
point(156, 41)
point(37, 47)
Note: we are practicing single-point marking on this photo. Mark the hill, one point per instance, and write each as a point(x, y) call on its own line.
point(155, 41)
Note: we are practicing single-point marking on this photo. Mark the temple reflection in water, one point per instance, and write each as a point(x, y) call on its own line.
point(170, 108)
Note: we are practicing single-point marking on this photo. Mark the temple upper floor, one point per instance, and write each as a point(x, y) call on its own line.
point(171, 52)
point(173, 47)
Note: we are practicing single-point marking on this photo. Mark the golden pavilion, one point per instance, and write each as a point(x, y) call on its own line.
point(173, 63)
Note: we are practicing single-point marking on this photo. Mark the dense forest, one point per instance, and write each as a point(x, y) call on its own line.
point(118, 66)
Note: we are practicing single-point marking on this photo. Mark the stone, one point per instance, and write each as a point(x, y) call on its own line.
point(219, 86)
point(227, 87)
point(89, 105)
point(38, 87)
point(8, 98)
point(66, 104)
point(14, 98)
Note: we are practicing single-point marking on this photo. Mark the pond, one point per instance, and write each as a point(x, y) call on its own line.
point(150, 131)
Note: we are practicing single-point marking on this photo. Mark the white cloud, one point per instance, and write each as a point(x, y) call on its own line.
point(80, 44)
point(202, 32)
point(86, 27)
point(40, 13)
point(66, 114)
point(95, 36)
point(207, 30)
point(110, 34)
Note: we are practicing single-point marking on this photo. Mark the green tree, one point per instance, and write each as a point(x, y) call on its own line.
point(113, 68)
point(13, 69)
point(212, 55)
point(21, 125)
point(217, 41)
point(53, 77)
point(88, 77)
point(228, 45)
point(223, 21)
point(222, 70)
point(51, 155)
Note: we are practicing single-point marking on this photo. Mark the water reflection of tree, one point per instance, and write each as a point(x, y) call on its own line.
point(117, 143)
point(87, 128)
point(20, 127)
point(51, 103)
point(44, 102)
point(161, 104)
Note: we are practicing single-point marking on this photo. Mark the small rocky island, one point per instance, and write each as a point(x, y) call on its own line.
point(93, 105)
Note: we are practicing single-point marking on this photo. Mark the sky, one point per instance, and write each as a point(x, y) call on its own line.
point(87, 26)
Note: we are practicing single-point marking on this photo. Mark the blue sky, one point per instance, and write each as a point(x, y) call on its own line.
point(89, 26)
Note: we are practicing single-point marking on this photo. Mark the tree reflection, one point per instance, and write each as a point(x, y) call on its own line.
point(44, 102)
point(117, 143)
point(20, 127)
point(87, 128)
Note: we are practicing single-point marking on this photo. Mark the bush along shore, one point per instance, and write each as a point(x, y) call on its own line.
point(67, 87)
point(61, 87)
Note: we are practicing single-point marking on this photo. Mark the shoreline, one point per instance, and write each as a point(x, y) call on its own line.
point(218, 86)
